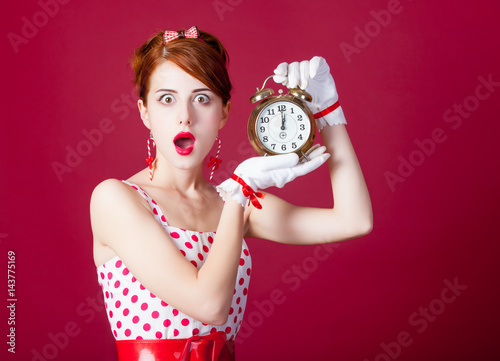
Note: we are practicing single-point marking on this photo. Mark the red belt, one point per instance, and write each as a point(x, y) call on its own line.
point(213, 347)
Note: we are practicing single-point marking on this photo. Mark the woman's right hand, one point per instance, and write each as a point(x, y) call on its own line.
point(314, 77)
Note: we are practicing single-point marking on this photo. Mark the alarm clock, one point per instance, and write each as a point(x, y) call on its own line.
point(282, 123)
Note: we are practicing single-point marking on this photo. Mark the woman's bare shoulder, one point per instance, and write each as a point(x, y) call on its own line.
point(114, 195)
point(110, 189)
point(115, 207)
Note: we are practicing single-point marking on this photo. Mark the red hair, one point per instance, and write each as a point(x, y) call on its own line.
point(204, 58)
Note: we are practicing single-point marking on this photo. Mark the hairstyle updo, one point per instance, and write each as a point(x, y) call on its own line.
point(204, 58)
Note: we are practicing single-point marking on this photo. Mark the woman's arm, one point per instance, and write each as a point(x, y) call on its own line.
point(350, 217)
point(121, 221)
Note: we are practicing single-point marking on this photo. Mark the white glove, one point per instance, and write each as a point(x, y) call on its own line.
point(314, 77)
point(269, 171)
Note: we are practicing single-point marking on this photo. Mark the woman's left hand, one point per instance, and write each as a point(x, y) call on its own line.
point(258, 173)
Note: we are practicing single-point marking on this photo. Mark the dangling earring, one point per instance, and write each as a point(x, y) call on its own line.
point(214, 162)
point(150, 159)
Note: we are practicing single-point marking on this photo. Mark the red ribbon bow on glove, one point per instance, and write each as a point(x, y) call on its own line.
point(214, 162)
point(170, 35)
point(249, 192)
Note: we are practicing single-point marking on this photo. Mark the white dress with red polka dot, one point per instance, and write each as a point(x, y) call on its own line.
point(136, 313)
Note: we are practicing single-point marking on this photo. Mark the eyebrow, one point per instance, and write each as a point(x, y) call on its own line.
point(175, 91)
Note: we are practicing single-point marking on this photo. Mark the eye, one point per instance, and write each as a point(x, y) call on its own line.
point(167, 99)
point(202, 99)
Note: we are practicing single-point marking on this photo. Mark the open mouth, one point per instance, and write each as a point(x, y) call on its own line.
point(184, 143)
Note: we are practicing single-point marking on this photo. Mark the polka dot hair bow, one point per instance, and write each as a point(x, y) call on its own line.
point(170, 35)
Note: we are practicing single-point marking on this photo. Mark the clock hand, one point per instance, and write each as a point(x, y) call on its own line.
point(282, 121)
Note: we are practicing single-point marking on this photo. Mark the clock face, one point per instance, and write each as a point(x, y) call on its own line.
point(282, 127)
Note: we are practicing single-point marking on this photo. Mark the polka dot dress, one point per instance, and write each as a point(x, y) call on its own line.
point(136, 313)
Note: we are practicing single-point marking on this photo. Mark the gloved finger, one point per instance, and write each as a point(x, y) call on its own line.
point(314, 65)
point(312, 164)
point(293, 75)
point(281, 79)
point(320, 66)
point(274, 162)
point(315, 146)
point(304, 74)
point(281, 69)
point(314, 152)
point(308, 153)
point(281, 72)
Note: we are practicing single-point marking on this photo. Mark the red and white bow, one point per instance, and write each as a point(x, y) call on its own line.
point(249, 192)
point(170, 35)
point(214, 162)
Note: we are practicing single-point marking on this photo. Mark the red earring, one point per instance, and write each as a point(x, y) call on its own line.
point(214, 162)
point(150, 159)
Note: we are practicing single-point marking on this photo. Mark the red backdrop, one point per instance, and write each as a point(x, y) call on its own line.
point(420, 86)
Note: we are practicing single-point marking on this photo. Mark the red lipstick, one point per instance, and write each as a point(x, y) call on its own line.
point(184, 143)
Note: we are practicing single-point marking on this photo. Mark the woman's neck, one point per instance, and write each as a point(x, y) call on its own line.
point(185, 181)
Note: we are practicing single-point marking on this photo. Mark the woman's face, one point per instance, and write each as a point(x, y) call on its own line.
point(183, 114)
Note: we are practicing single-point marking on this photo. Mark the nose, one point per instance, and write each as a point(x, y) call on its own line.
point(185, 114)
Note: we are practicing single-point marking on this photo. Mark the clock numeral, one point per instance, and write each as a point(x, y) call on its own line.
point(274, 146)
point(302, 127)
point(291, 110)
point(300, 137)
point(265, 119)
point(265, 139)
point(294, 145)
point(262, 129)
point(282, 108)
point(270, 112)
point(299, 117)
point(283, 147)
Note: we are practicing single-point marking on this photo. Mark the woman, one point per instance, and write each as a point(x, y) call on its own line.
point(175, 282)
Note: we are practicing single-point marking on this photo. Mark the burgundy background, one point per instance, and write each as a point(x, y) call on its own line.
point(439, 224)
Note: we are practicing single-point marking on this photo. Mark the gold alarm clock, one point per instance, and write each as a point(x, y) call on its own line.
point(281, 124)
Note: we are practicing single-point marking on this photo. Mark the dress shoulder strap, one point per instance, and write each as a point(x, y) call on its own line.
point(158, 213)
